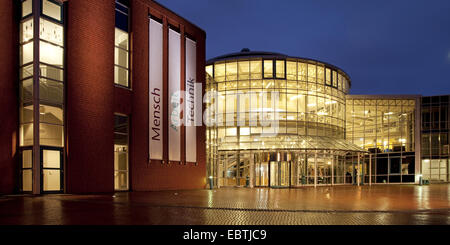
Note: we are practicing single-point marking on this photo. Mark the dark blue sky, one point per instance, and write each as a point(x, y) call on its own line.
point(387, 47)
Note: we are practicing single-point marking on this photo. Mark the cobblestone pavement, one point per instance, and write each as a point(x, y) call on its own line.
point(339, 205)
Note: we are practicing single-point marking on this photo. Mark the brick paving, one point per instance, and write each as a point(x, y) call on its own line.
point(340, 205)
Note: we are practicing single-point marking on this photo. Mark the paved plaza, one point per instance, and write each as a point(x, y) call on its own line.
point(338, 205)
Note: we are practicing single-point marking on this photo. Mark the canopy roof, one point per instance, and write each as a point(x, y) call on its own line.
point(294, 143)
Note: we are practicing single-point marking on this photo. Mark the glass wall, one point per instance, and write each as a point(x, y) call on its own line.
point(271, 168)
point(435, 141)
point(122, 49)
point(304, 99)
point(307, 106)
point(26, 75)
point(121, 132)
point(48, 38)
point(385, 128)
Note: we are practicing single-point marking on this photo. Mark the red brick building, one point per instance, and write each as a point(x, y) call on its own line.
point(77, 112)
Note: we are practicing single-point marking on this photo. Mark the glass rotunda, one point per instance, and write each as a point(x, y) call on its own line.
point(277, 121)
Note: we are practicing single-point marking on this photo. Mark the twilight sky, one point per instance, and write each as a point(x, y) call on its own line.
point(386, 46)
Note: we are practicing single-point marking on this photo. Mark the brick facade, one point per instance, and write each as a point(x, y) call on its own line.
point(9, 118)
point(153, 175)
point(92, 99)
point(90, 96)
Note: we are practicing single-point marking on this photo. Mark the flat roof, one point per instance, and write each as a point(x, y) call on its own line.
point(247, 54)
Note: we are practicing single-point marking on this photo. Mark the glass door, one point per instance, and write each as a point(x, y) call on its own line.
point(274, 174)
point(262, 174)
point(228, 170)
point(279, 173)
point(52, 175)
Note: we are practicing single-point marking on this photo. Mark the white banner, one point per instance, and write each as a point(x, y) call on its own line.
point(174, 95)
point(156, 109)
point(190, 110)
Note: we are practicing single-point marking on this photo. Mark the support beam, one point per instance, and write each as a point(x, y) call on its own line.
point(370, 169)
point(252, 169)
point(36, 143)
point(332, 170)
point(358, 174)
point(315, 169)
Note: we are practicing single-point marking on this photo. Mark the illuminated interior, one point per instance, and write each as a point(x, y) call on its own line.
point(121, 126)
point(50, 81)
point(309, 145)
point(121, 49)
point(384, 126)
point(435, 148)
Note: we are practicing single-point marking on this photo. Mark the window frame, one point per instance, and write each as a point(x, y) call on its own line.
point(274, 69)
point(128, 69)
point(42, 15)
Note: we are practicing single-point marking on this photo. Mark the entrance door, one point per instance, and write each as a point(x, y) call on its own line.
point(52, 173)
point(228, 171)
point(262, 174)
point(279, 173)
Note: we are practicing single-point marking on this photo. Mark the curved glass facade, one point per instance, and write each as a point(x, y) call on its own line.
point(276, 121)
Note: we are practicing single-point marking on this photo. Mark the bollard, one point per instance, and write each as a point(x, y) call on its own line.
point(211, 182)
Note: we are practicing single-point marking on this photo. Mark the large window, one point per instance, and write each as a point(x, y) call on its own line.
point(435, 138)
point(41, 28)
point(385, 128)
point(306, 107)
point(122, 49)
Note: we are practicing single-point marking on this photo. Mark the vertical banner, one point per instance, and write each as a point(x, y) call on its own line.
point(156, 109)
point(190, 110)
point(174, 96)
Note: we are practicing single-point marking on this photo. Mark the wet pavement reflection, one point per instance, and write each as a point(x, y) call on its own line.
point(339, 205)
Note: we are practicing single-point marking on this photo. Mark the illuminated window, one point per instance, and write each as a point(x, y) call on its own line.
point(121, 49)
point(26, 30)
point(280, 69)
point(291, 70)
point(52, 10)
point(219, 72)
point(339, 81)
point(244, 70)
point(27, 8)
point(51, 54)
point(231, 71)
point(50, 105)
point(256, 69)
point(335, 81)
point(209, 70)
point(51, 32)
point(311, 73)
point(274, 69)
point(328, 77)
point(27, 165)
point(26, 53)
point(320, 74)
point(268, 69)
point(302, 71)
